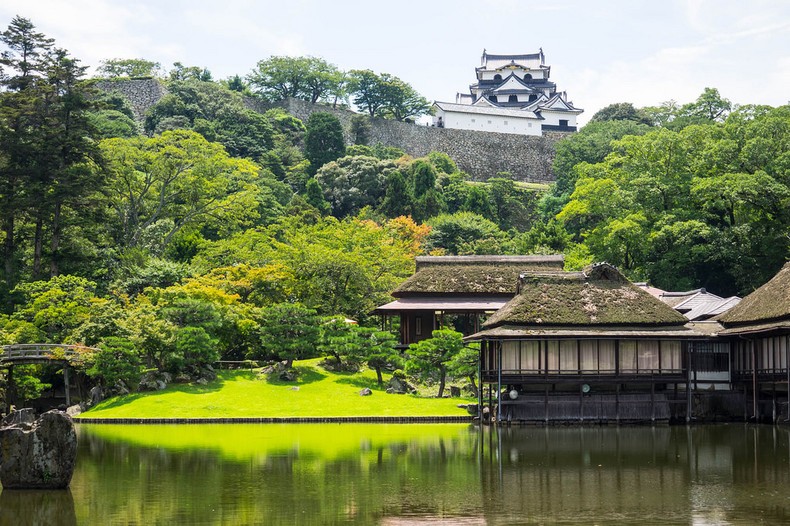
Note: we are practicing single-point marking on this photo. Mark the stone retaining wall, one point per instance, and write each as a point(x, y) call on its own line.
point(480, 154)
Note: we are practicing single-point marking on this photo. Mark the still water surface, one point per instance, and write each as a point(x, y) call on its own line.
point(415, 474)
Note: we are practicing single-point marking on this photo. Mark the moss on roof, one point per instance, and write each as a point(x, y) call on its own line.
point(599, 295)
point(472, 274)
point(769, 302)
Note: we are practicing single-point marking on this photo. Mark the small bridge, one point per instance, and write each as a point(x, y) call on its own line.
point(25, 353)
point(31, 353)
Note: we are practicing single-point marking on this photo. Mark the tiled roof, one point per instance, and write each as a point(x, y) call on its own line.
point(485, 110)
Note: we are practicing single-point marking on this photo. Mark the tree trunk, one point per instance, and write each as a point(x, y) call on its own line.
point(54, 269)
point(38, 244)
point(474, 385)
point(442, 375)
point(378, 375)
point(8, 249)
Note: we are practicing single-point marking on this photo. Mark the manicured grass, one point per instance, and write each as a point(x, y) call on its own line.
point(316, 393)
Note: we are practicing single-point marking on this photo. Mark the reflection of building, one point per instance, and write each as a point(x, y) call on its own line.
point(458, 291)
point(575, 346)
point(512, 94)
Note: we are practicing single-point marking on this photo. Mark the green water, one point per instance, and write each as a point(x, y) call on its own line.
point(414, 474)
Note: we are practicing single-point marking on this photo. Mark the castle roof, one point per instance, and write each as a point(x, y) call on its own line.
point(487, 109)
point(526, 60)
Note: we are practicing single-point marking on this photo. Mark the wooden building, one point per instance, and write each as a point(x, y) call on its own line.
point(758, 329)
point(458, 292)
point(584, 346)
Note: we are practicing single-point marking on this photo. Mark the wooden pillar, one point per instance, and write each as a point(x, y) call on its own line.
point(499, 383)
point(754, 380)
point(480, 380)
point(688, 383)
point(66, 383)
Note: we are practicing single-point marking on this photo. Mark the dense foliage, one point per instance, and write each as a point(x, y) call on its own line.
point(214, 232)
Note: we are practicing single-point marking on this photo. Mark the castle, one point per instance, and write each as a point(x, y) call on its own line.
point(513, 94)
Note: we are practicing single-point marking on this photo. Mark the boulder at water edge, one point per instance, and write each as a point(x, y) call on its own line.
point(38, 455)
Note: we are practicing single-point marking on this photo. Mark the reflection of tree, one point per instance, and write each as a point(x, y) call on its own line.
point(280, 486)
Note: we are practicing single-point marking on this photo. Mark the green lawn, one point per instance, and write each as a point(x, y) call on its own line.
point(316, 393)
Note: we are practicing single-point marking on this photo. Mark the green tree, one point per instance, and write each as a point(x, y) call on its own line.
point(129, 67)
point(289, 331)
point(323, 141)
point(314, 195)
point(307, 78)
point(159, 186)
point(368, 91)
point(465, 365)
point(182, 72)
point(451, 231)
point(116, 361)
point(620, 111)
point(397, 197)
point(402, 100)
point(351, 183)
point(215, 112)
point(432, 357)
point(377, 349)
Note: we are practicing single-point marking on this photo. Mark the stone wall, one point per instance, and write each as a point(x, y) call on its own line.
point(141, 93)
point(480, 154)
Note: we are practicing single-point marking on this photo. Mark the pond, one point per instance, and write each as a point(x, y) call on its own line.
point(411, 474)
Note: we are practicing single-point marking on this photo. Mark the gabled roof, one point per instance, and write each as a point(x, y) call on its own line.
point(769, 303)
point(557, 103)
point(703, 305)
point(514, 84)
point(598, 296)
point(475, 275)
point(529, 60)
point(486, 110)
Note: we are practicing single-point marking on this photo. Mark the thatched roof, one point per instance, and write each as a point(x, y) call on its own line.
point(464, 275)
point(768, 303)
point(598, 296)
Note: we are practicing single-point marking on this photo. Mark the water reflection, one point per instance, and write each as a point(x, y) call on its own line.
point(37, 507)
point(402, 474)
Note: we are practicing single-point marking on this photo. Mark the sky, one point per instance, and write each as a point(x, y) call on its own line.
point(600, 52)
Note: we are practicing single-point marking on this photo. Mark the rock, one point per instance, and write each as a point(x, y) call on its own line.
point(390, 390)
point(365, 392)
point(455, 391)
point(38, 455)
point(288, 375)
point(295, 388)
point(20, 416)
point(400, 386)
point(201, 381)
point(74, 410)
point(154, 381)
point(96, 395)
point(470, 408)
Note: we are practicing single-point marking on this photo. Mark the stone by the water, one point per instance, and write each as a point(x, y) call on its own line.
point(38, 454)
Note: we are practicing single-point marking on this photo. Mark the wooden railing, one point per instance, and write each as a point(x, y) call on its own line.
point(33, 352)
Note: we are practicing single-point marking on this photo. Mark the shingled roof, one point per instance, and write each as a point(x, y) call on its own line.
point(598, 296)
point(477, 275)
point(769, 303)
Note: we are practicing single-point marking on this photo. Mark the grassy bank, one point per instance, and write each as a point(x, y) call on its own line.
point(238, 394)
